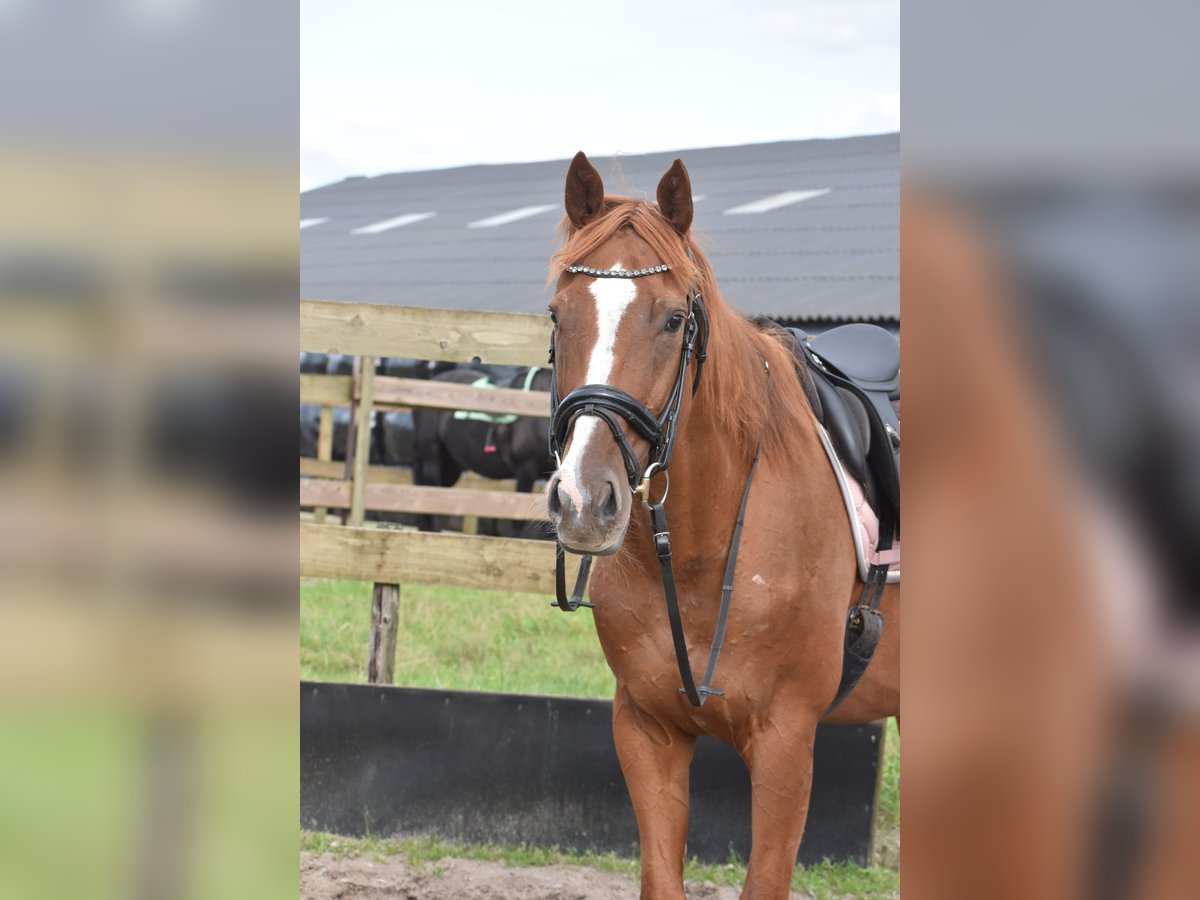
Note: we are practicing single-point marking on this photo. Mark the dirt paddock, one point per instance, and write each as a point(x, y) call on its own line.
point(324, 876)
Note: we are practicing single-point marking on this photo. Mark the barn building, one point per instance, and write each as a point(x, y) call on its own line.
point(806, 232)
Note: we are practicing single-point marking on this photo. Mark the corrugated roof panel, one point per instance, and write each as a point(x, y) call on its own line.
point(833, 256)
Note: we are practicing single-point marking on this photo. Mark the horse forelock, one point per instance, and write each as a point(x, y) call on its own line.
point(626, 215)
point(733, 385)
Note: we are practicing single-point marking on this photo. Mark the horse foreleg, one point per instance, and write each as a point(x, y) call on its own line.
point(655, 758)
point(780, 759)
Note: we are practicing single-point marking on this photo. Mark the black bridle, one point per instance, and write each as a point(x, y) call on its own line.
point(610, 405)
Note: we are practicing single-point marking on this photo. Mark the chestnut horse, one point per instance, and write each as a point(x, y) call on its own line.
point(626, 311)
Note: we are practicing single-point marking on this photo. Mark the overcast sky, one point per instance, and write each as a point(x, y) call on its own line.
point(394, 85)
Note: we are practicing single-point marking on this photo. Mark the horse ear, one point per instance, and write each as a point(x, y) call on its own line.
point(675, 197)
point(584, 195)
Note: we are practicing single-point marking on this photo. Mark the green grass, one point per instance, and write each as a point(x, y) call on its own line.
point(69, 779)
point(515, 643)
point(825, 881)
point(419, 850)
point(451, 638)
point(888, 814)
point(106, 797)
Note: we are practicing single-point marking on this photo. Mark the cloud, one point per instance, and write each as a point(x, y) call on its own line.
point(380, 92)
point(318, 167)
point(881, 113)
point(830, 26)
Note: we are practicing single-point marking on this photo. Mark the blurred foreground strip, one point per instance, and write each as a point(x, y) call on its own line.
point(1052, 709)
point(148, 627)
point(1051, 285)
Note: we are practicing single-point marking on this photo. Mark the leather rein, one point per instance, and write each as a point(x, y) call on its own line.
point(610, 405)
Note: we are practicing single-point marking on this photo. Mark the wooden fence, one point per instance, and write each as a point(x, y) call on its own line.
point(359, 550)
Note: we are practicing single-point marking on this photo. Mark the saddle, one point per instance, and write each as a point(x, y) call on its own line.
point(851, 375)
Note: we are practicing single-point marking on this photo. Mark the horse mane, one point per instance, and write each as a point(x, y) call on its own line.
point(733, 379)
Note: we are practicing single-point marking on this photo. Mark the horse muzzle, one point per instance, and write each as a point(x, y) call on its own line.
point(589, 514)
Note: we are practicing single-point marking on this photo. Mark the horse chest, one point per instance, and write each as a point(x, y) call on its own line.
point(634, 631)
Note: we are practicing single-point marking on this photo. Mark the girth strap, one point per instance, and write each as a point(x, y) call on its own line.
point(864, 621)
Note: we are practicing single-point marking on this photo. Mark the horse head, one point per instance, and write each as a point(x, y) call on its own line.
point(626, 321)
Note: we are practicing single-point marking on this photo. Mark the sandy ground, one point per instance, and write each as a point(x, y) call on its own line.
point(327, 877)
point(324, 876)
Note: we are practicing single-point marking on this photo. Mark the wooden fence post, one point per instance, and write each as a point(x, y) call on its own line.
point(324, 449)
point(362, 438)
point(385, 619)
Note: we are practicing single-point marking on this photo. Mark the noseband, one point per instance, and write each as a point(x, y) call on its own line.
point(610, 404)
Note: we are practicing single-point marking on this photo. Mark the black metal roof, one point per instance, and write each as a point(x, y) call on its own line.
point(834, 255)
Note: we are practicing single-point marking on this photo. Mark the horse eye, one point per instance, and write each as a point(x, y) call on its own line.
point(675, 322)
point(553, 317)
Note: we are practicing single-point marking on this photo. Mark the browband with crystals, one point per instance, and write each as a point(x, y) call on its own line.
point(617, 273)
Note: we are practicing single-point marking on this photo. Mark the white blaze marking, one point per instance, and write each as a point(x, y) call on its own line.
point(775, 201)
point(613, 296)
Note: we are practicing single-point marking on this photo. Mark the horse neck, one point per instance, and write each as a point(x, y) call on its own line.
point(709, 470)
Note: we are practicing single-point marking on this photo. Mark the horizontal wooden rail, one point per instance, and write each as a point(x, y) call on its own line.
point(412, 557)
point(427, 500)
point(497, 338)
point(328, 390)
point(446, 395)
point(334, 390)
point(336, 470)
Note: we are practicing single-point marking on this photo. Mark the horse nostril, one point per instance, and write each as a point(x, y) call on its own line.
point(553, 501)
point(610, 502)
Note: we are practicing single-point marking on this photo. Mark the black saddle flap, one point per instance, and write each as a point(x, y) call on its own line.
point(846, 423)
point(856, 372)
